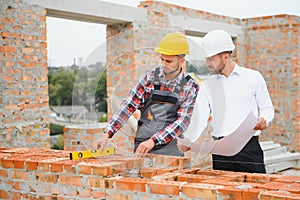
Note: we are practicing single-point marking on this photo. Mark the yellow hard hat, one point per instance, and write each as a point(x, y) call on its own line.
point(173, 44)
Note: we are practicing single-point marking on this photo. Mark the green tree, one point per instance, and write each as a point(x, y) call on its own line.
point(61, 87)
point(71, 86)
point(101, 94)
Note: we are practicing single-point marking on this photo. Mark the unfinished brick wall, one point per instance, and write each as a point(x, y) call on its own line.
point(272, 47)
point(166, 10)
point(49, 174)
point(24, 111)
point(82, 137)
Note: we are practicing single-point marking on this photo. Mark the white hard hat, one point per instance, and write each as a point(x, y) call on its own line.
point(215, 42)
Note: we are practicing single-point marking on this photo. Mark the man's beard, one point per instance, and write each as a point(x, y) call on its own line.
point(171, 72)
point(217, 70)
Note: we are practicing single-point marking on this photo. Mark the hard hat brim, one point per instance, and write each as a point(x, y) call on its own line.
point(170, 53)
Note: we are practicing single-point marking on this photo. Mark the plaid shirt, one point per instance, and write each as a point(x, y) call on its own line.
point(141, 91)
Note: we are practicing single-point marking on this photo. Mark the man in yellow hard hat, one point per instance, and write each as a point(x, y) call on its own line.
point(165, 96)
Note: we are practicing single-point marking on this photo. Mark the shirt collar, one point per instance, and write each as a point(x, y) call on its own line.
point(237, 69)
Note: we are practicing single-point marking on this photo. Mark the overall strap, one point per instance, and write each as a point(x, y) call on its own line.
point(183, 81)
point(156, 79)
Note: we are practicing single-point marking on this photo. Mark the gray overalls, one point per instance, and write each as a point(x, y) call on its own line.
point(159, 111)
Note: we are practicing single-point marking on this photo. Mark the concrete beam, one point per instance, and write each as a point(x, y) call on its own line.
point(90, 11)
point(199, 27)
point(271, 146)
point(276, 167)
point(274, 152)
point(282, 158)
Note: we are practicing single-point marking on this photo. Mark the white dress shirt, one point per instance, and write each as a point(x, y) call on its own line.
point(244, 90)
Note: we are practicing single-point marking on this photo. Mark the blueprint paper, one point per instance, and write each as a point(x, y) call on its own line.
point(229, 145)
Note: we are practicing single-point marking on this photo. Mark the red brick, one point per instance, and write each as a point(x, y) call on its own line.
point(132, 184)
point(205, 191)
point(278, 195)
point(8, 163)
point(85, 168)
point(3, 173)
point(193, 178)
point(70, 180)
point(132, 163)
point(19, 163)
point(44, 166)
point(27, 51)
point(257, 178)
point(148, 172)
point(56, 167)
point(226, 181)
point(22, 175)
point(96, 182)
point(212, 172)
point(70, 168)
point(102, 170)
point(228, 193)
point(116, 196)
point(94, 131)
point(187, 170)
point(163, 170)
point(84, 192)
point(246, 191)
point(288, 179)
point(31, 165)
point(291, 187)
point(16, 185)
point(45, 177)
point(7, 49)
point(4, 194)
point(99, 194)
point(5, 34)
point(166, 161)
point(110, 182)
point(165, 187)
point(167, 176)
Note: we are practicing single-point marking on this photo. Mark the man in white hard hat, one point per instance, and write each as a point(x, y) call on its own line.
point(165, 96)
point(228, 96)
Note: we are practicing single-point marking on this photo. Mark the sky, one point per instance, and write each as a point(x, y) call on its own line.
point(76, 42)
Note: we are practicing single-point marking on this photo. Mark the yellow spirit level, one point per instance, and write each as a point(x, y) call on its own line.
point(93, 153)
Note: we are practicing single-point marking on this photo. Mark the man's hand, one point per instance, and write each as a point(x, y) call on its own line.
point(144, 148)
point(180, 144)
point(102, 142)
point(261, 124)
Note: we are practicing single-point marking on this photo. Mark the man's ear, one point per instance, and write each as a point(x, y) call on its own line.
point(225, 56)
point(181, 60)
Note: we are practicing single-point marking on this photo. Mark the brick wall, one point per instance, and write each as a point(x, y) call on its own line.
point(272, 47)
point(49, 174)
point(167, 10)
point(82, 137)
point(24, 111)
